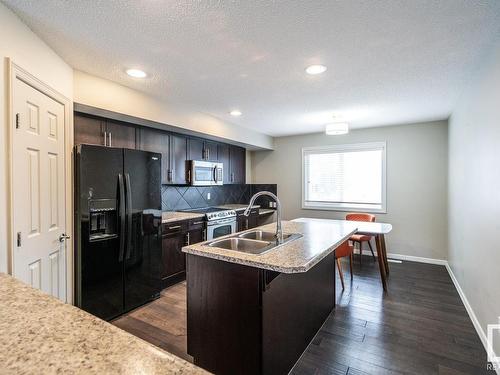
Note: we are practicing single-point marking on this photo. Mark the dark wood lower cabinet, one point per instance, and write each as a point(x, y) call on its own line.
point(196, 231)
point(245, 320)
point(175, 235)
point(243, 222)
point(173, 259)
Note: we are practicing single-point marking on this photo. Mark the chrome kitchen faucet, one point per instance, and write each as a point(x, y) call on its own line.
point(279, 232)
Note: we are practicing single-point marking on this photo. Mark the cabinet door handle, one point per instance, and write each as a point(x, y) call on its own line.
point(208, 153)
point(189, 175)
point(188, 238)
point(105, 138)
point(198, 222)
point(110, 145)
point(174, 227)
point(204, 234)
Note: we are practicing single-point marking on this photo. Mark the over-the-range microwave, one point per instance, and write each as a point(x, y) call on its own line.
point(205, 173)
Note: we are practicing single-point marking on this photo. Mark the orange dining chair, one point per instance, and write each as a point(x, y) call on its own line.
point(344, 250)
point(360, 238)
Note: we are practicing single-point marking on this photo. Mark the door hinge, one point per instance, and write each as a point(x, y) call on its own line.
point(18, 239)
point(17, 120)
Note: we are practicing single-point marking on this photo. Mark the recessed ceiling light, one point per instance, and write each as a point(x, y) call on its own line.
point(337, 128)
point(315, 69)
point(235, 113)
point(136, 73)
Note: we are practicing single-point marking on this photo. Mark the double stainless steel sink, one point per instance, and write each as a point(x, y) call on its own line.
point(253, 242)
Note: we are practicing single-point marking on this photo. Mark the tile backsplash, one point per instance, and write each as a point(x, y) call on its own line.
point(175, 198)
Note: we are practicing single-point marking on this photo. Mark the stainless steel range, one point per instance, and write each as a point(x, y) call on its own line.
point(219, 221)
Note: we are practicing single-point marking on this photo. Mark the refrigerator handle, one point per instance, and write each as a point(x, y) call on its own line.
point(121, 215)
point(129, 215)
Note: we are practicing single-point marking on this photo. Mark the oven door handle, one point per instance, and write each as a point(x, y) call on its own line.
point(222, 221)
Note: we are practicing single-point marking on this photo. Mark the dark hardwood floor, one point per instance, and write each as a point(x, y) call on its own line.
point(162, 322)
point(419, 327)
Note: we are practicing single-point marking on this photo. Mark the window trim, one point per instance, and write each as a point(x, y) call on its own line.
point(343, 207)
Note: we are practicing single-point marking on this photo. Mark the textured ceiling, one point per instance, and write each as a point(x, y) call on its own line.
point(388, 61)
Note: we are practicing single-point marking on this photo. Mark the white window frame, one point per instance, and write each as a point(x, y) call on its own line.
point(346, 207)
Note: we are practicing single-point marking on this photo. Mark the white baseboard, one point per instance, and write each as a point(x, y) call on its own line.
point(409, 258)
point(465, 301)
point(412, 258)
point(470, 311)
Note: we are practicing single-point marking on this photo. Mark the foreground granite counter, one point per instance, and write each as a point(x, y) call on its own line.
point(318, 240)
point(41, 335)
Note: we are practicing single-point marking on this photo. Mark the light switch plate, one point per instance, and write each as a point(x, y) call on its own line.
point(208, 196)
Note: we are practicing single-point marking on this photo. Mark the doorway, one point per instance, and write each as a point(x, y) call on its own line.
point(39, 200)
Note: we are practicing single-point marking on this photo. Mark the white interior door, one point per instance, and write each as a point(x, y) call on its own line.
point(39, 205)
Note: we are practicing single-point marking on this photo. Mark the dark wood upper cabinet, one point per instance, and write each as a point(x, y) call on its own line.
point(237, 165)
point(88, 130)
point(173, 149)
point(178, 159)
point(176, 149)
point(223, 156)
point(156, 141)
point(200, 149)
point(95, 131)
point(120, 134)
point(211, 151)
point(196, 149)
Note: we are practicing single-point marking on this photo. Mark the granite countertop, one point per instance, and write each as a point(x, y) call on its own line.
point(41, 335)
point(319, 239)
point(237, 207)
point(171, 216)
point(265, 211)
point(364, 227)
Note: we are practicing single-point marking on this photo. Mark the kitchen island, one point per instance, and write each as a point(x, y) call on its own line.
point(256, 313)
point(41, 335)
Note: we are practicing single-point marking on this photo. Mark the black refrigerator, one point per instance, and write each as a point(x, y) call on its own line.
point(118, 229)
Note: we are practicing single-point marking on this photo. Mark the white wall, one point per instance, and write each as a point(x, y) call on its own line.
point(20, 44)
point(474, 192)
point(104, 94)
point(416, 182)
point(248, 159)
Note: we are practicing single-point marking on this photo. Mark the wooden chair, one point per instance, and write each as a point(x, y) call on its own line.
point(359, 238)
point(344, 250)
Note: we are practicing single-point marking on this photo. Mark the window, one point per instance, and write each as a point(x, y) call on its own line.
point(344, 177)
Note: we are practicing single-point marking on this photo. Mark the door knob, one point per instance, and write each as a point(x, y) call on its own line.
point(64, 237)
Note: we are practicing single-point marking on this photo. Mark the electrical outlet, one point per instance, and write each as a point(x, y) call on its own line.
point(208, 196)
